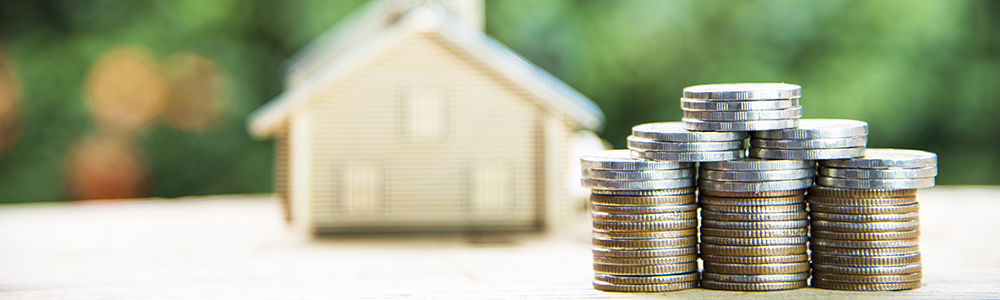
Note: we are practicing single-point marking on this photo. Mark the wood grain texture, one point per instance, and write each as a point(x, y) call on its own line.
point(238, 247)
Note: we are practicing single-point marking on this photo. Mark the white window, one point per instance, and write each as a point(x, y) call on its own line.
point(363, 188)
point(425, 114)
point(491, 189)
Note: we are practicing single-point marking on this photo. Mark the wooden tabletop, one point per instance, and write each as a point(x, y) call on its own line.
point(238, 247)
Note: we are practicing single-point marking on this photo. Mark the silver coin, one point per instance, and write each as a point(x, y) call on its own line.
point(622, 160)
point(888, 158)
point(690, 156)
point(636, 143)
point(752, 115)
point(757, 164)
point(764, 186)
point(695, 104)
point(675, 132)
point(636, 185)
point(638, 175)
point(699, 125)
point(743, 91)
point(811, 154)
point(818, 129)
point(810, 144)
point(756, 278)
point(879, 173)
point(887, 184)
point(756, 175)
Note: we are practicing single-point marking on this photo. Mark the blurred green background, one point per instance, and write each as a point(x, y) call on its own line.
point(924, 74)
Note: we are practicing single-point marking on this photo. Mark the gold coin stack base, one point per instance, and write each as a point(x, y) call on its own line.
point(865, 239)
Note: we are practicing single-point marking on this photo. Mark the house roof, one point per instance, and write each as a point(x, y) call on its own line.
point(371, 29)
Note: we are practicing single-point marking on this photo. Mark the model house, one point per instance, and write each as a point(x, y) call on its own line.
point(407, 117)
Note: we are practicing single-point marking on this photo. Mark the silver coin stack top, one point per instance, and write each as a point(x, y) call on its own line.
point(669, 141)
point(814, 139)
point(865, 220)
point(754, 224)
point(644, 222)
point(741, 106)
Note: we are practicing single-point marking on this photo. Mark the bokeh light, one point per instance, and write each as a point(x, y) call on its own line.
point(126, 90)
point(197, 91)
point(8, 103)
point(106, 167)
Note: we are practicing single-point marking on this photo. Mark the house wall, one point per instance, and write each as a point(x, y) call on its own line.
point(422, 138)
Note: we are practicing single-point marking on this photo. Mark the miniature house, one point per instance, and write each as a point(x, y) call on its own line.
point(406, 117)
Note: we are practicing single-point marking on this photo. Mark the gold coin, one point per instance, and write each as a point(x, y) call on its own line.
point(644, 193)
point(644, 280)
point(877, 270)
point(643, 209)
point(792, 216)
point(711, 249)
point(687, 215)
point(645, 288)
point(791, 200)
point(823, 191)
point(800, 232)
point(822, 225)
point(865, 210)
point(864, 218)
point(754, 241)
point(865, 244)
point(757, 209)
point(752, 287)
point(644, 234)
point(755, 225)
point(868, 278)
point(813, 200)
point(865, 287)
point(645, 226)
point(756, 278)
point(767, 194)
point(780, 259)
point(756, 269)
point(866, 236)
point(598, 251)
point(866, 261)
point(687, 241)
point(607, 260)
point(647, 269)
point(863, 252)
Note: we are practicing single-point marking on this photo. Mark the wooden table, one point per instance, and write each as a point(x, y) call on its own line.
point(237, 247)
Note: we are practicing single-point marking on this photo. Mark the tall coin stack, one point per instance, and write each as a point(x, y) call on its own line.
point(645, 219)
point(754, 224)
point(865, 220)
point(741, 106)
point(814, 139)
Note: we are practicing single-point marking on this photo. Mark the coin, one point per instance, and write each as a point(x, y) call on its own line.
point(864, 218)
point(755, 225)
point(774, 233)
point(608, 260)
point(865, 287)
point(622, 160)
point(638, 175)
point(645, 288)
point(636, 143)
point(818, 129)
point(771, 259)
point(867, 236)
point(821, 225)
point(646, 226)
point(598, 251)
point(694, 104)
point(647, 269)
point(743, 91)
point(754, 209)
point(868, 278)
point(787, 198)
point(680, 199)
point(636, 185)
point(699, 125)
point(690, 156)
point(888, 158)
point(807, 154)
point(863, 252)
point(754, 241)
point(864, 210)
point(861, 203)
point(686, 241)
point(830, 192)
point(712, 249)
point(884, 260)
point(644, 234)
point(763, 186)
point(675, 132)
point(865, 244)
point(752, 287)
point(646, 280)
point(889, 184)
point(879, 270)
point(750, 115)
point(686, 215)
point(713, 215)
point(861, 141)
point(756, 278)
point(879, 173)
point(756, 269)
point(645, 209)
point(757, 164)
point(756, 175)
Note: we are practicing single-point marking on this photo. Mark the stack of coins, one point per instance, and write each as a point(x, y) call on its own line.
point(754, 224)
point(741, 106)
point(669, 141)
point(865, 220)
point(814, 139)
point(645, 220)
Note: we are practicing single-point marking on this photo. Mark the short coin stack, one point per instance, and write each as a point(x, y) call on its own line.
point(669, 141)
point(865, 220)
point(645, 223)
point(741, 106)
point(814, 139)
point(754, 224)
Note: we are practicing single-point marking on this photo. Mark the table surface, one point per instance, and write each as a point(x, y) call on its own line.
point(238, 247)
